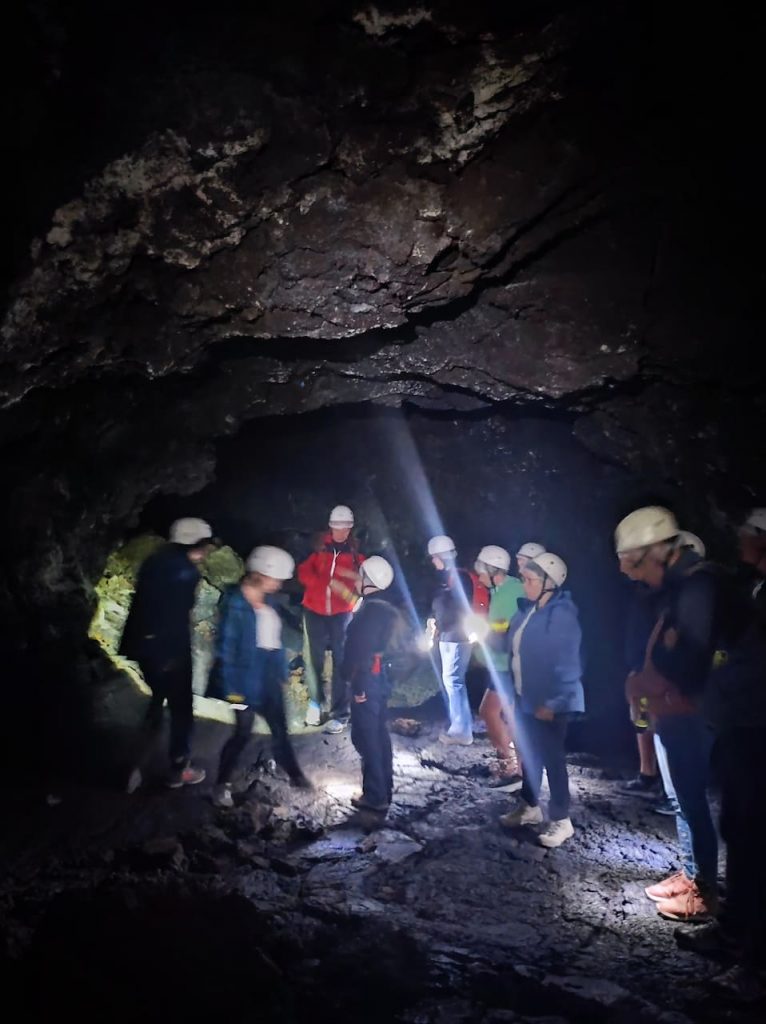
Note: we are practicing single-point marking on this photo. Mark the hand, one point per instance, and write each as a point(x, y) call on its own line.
point(544, 714)
point(360, 698)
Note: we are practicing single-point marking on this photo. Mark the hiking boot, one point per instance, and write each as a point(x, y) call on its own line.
point(711, 940)
point(664, 807)
point(692, 905)
point(135, 779)
point(362, 805)
point(455, 740)
point(642, 785)
point(313, 714)
point(334, 727)
point(188, 775)
point(669, 888)
point(522, 815)
point(301, 782)
point(741, 983)
point(222, 796)
point(555, 833)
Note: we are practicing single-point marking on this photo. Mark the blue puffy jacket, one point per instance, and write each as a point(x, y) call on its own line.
point(551, 666)
point(242, 669)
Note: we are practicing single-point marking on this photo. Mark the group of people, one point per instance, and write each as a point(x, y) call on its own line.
point(697, 650)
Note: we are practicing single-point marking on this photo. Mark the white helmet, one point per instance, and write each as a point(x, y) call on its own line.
point(494, 557)
point(686, 539)
point(378, 571)
point(190, 531)
point(341, 516)
point(756, 521)
point(550, 565)
point(441, 545)
point(530, 550)
point(270, 561)
point(644, 527)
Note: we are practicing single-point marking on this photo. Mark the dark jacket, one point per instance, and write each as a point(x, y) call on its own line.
point(158, 626)
point(243, 672)
point(551, 665)
point(367, 638)
point(320, 567)
point(453, 601)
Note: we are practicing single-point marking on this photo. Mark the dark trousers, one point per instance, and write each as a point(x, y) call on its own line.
point(328, 631)
point(272, 708)
point(370, 736)
point(738, 757)
point(542, 747)
point(169, 680)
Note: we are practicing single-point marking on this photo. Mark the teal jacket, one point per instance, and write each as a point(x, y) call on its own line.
point(503, 605)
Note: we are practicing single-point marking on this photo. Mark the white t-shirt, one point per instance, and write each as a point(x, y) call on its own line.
point(516, 648)
point(268, 629)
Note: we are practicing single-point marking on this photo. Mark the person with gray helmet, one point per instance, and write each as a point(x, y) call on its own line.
point(546, 666)
point(157, 635)
point(250, 666)
point(329, 577)
point(370, 632)
point(670, 685)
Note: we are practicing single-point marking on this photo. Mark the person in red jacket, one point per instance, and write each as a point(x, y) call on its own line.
point(330, 575)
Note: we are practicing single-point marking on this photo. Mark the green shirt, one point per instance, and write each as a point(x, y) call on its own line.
point(503, 605)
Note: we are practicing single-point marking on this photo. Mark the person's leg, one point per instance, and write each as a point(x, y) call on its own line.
point(236, 744)
point(318, 640)
point(366, 737)
point(311, 678)
point(455, 658)
point(337, 625)
point(552, 741)
point(273, 710)
point(682, 828)
point(646, 753)
point(181, 706)
point(529, 733)
point(491, 712)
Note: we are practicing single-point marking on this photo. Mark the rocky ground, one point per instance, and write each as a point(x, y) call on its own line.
point(292, 907)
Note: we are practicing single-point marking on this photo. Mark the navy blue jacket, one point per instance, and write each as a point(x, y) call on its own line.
point(453, 601)
point(551, 666)
point(241, 669)
point(158, 626)
point(369, 634)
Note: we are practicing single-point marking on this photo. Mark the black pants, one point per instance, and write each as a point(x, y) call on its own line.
point(370, 736)
point(542, 746)
point(169, 680)
point(738, 757)
point(272, 708)
point(328, 631)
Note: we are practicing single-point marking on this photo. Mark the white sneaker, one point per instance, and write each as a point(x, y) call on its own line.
point(522, 815)
point(455, 740)
point(335, 726)
point(222, 796)
point(134, 781)
point(555, 833)
point(313, 714)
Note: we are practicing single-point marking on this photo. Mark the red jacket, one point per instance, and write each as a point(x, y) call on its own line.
point(317, 571)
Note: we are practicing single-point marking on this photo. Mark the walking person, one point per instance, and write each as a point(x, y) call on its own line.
point(157, 635)
point(251, 666)
point(670, 684)
point(369, 634)
point(329, 576)
point(544, 647)
point(492, 567)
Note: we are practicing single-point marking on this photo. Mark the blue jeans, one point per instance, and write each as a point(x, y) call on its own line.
point(683, 756)
point(455, 658)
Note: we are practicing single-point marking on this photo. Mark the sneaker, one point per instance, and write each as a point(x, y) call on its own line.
point(642, 785)
point(135, 779)
point(691, 905)
point(663, 806)
point(711, 940)
point(186, 776)
point(335, 726)
point(222, 796)
point(742, 983)
point(522, 815)
point(555, 833)
point(313, 714)
point(455, 740)
point(669, 888)
point(362, 805)
point(301, 782)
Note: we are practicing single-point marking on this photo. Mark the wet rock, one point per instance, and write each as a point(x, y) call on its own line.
point(156, 854)
point(390, 846)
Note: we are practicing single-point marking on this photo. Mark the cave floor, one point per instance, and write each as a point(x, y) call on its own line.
point(291, 907)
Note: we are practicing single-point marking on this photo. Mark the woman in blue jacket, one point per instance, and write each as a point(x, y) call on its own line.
point(251, 666)
point(544, 648)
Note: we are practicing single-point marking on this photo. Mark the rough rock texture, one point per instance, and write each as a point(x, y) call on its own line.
point(542, 207)
point(294, 904)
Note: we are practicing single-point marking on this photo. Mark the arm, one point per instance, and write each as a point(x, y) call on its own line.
point(565, 637)
point(308, 571)
point(229, 631)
